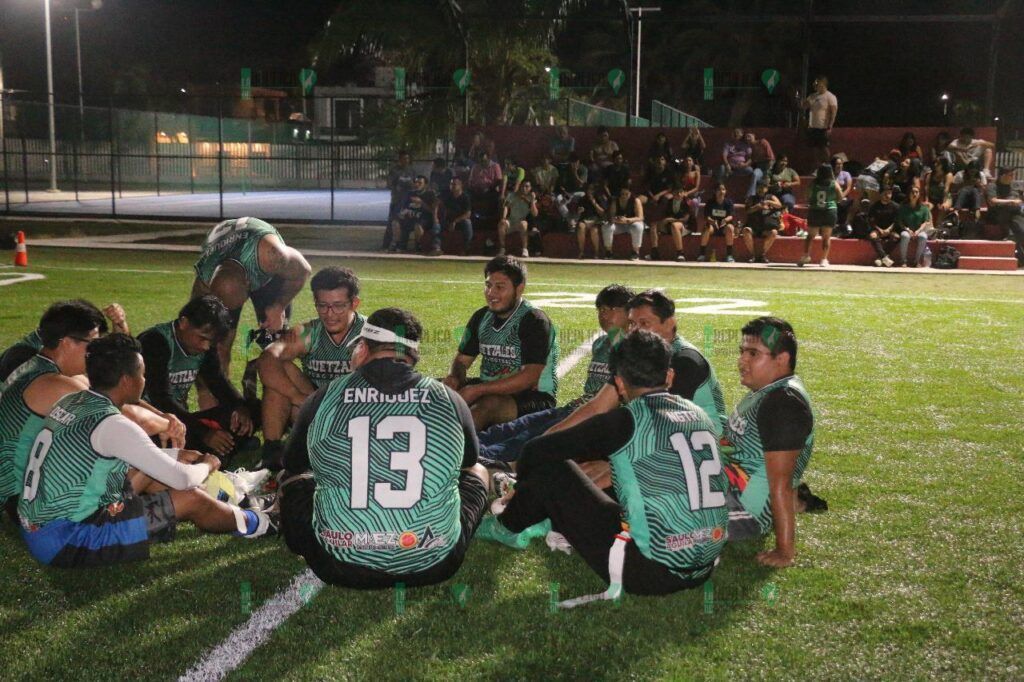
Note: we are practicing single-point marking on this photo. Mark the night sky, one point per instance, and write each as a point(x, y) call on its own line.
point(882, 74)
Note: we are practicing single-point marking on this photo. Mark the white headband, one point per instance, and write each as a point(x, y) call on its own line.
point(381, 335)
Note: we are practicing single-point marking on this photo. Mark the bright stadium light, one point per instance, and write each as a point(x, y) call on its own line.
point(49, 99)
point(945, 102)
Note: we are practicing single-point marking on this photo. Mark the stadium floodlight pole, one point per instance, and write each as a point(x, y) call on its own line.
point(95, 4)
point(49, 99)
point(639, 11)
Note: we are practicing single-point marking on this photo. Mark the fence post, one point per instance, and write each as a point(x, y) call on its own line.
point(75, 147)
point(333, 153)
point(156, 141)
point(191, 155)
point(3, 146)
point(220, 151)
point(113, 177)
point(24, 161)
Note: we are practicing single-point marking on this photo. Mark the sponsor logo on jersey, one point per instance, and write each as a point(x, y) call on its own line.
point(681, 541)
point(407, 540)
point(185, 376)
point(600, 369)
point(61, 416)
point(329, 368)
point(737, 424)
point(381, 540)
point(429, 540)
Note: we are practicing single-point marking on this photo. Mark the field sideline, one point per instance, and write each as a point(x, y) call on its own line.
point(914, 572)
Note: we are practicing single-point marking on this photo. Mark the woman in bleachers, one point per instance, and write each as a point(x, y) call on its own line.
point(689, 180)
point(845, 201)
point(694, 146)
point(784, 182)
point(940, 183)
point(909, 149)
point(940, 151)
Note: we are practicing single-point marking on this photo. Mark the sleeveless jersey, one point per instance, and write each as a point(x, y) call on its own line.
point(502, 353)
point(387, 470)
point(747, 460)
point(182, 368)
point(18, 424)
point(32, 340)
point(708, 395)
point(669, 481)
point(325, 360)
point(599, 372)
point(823, 197)
point(237, 240)
point(66, 478)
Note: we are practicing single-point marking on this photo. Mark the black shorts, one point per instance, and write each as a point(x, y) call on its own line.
point(822, 217)
point(742, 526)
point(817, 137)
point(296, 498)
point(720, 230)
point(114, 534)
point(759, 228)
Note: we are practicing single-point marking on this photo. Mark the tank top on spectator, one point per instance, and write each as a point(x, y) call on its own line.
point(823, 196)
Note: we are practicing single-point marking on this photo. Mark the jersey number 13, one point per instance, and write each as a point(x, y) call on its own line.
point(408, 461)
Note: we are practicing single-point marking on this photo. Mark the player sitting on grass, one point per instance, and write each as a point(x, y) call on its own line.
point(519, 349)
point(504, 442)
point(770, 436)
point(179, 352)
point(31, 390)
point(246, 258)
point(79, 507)
point(32, 343)
point(665, 528)
point(323, 346)
point(693, 376)
point(395, 492)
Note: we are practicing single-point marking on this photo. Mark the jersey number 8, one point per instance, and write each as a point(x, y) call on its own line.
point(35, 464)
point(408, 461)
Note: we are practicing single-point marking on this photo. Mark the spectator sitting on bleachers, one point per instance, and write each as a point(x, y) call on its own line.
point(592, 217)
point(485, 178)
point(512, 178)
point(940, 150)
point(882, 226)
point(519, 213)
point(914, 221)
point(689, 179)
point(693, 146)
point(972, 185)
point(563, 145)
point(909, 149)
point(418, 214)
point(617, 175)
point(627, 216)
point(762, 159)
point(784, 182)
point(908, 173)
point(966, 148)
point(660, 147)
point(660, 181)
point(718, 220)
point(545, 176)
point(1006, 209)
point(735, 156)
point(678, 219)
point(845, 201)
point(440, 176)
point(764, 216)
point(603, 150)
point(940, 182)
point(458, 212)
point(573, 177)
point(479, 145)
point(792, 224)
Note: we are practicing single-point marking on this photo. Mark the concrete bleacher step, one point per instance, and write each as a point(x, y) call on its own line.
point(986, 263)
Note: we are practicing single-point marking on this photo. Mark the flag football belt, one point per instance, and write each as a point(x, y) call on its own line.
point(616, 561)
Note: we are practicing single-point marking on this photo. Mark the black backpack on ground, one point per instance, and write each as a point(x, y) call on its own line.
point(949, 228)
point(947, 258)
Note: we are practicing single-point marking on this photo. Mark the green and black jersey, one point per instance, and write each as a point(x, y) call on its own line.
point(599, 371)
point(823, 197)
point(669, 480)
point(778, 417)
point(182, 368)
point(326, 360)
point(18, 423)
point(66, 478)
point(387, 468)
point(238, 240)
point(20, 352)
point(525, 337)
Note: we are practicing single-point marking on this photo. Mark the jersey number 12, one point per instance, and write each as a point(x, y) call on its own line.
point(700, 492)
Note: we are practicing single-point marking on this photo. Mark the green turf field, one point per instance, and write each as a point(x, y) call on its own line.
point(913, 573)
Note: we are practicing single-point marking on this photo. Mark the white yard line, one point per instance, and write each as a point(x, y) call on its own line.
point(222, 659)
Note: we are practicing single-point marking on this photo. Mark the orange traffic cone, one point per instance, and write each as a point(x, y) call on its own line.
point(20, 252)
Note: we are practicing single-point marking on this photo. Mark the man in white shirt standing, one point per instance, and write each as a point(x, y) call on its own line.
point(822, 108)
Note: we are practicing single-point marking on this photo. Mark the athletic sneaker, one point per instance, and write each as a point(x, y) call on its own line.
point(878, 262)
point(730, 259)
point(634, 255)
point(751, 260)
point(525, 253)
point(268, 525)
point(435, 252)
point(804, 260)
point(887, 262)
point(491, 529)
point(502, 482)
point(680, 258)
point(824, 262)
point(556, 542)
point(801, 233)
point(764, 259)
point(581, 256)
point(649, 256)
point(812, 503)
point(702, 259)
